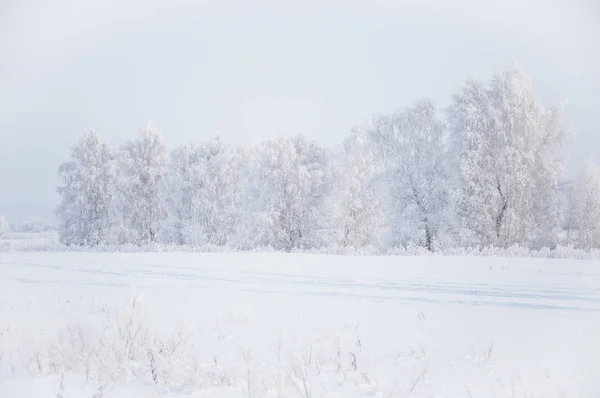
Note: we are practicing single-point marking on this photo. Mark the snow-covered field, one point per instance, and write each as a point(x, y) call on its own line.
point(290, 325)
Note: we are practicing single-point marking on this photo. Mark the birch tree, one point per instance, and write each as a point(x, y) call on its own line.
point(287, 181)
point(86, 192)
point(585, 207)
point(509, 161)
point(203, 193)
point(412, 145)
point(358, 213)
point(4, 226)
point(142, 170)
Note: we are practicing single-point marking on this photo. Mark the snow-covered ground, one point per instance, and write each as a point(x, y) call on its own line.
point(289, 325)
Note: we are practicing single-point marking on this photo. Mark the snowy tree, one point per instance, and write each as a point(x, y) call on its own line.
point(585, 207)
point(287, 181)
point(509, 162)
point(203, 193)
point(565, 216)
point(414, 151)
point(4, 227)
point(358, 212)
point(481, 204)
point(141, 171)
point(179, 190)
point(86, 192)
point(35, 225)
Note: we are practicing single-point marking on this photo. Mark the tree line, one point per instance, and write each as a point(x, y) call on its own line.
point(485, 171)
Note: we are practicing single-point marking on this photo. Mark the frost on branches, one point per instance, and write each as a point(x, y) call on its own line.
point(484, 172)
point(86, 192)
point(509, 162)
point(3, 225)
point(141, 172)
point(412, 146)
point(585, 211)
point(358, 211)
point(203, 195)
point(286, 181)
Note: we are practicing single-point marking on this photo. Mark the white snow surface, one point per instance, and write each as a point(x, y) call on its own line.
point(297, 325)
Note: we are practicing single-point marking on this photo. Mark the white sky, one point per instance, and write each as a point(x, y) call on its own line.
point(249, 70)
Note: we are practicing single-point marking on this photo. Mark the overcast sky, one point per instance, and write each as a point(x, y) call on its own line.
point(249, 70)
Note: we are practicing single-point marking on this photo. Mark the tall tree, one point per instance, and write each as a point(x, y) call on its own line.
point(86, 192)
point(3, 225)
point(287, 182)
point(142, 170)
point(358, 212)
point(179, 190)
point(203, 193)
point(509, 161)
point(585, 208)
point(414, 149)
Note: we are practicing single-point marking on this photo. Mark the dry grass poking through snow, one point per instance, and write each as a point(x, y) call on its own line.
point(113, 352)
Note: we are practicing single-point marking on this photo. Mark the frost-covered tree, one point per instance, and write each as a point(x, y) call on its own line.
point(509, 162)
point(34, 225)
point(86, 192)
point(203, 193)
point(180, 192)
point(413, 148)
point(358, 212)
point(286, 183)
point(4, 227)
point(481, 204)
point(141, 208)
point(585, 208)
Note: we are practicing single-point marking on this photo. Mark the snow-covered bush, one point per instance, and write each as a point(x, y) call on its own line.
point(110, 346)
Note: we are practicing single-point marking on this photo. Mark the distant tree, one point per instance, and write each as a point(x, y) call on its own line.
point(4, 226)
point(141, 208)
point(180, 191)
point(358, 212)
point(33, 225)
point(286, 183)
point(85, 193)
point(565, 210)
point(413, 148)
point(203, 193)
point(489, 173)
point(585, 208)
point(509, 161)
